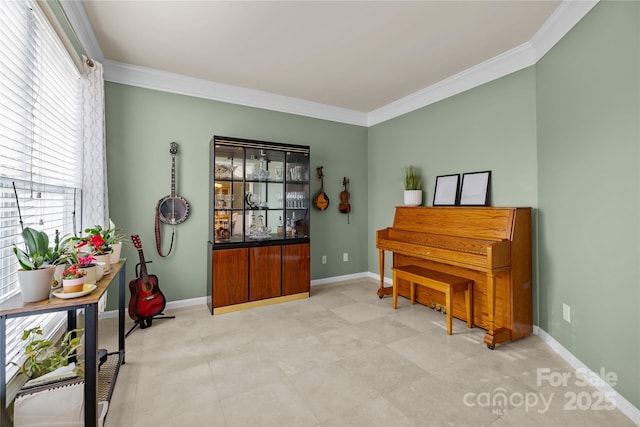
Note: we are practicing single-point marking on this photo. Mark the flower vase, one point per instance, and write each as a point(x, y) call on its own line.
point(35, 285)
point(72, 285)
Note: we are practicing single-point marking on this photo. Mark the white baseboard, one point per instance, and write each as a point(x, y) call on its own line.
point(621, 403)
point(336, 279)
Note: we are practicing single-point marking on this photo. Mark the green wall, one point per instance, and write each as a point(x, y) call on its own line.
point(588, 187)
point(491, 127)
point(140, 125)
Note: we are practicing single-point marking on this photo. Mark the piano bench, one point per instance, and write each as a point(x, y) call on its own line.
point(439, 281)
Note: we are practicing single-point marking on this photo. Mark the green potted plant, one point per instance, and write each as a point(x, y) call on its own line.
point(59, 255)
point(412, 187)
point(97, 246)
point(34, 277)
point(42, 357)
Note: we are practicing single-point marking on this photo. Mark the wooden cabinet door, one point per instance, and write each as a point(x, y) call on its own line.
point(296, 270)
point(230, 277)
point(264, 272)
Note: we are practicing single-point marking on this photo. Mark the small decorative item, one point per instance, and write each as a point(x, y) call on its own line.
point(412, 187)
point(475, 188)
point(321, 200)
point(345, 206)
point(73, 279)
point(446, 191)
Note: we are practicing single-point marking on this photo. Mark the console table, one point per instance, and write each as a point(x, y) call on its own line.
point(15, 307)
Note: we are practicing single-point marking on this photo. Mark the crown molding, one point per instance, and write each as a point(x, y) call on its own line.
point(565, 17)
point(149, 78)
point(561, 21)
point(513, 60)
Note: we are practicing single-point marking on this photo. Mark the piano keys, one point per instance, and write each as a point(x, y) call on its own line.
point(490, 245)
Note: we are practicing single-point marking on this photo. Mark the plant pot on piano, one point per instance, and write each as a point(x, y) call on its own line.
point(412, 187)
point(413, 197)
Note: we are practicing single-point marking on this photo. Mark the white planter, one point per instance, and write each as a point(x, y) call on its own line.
point(412, 197)
point(35, 285)
point(116, 249)
point(106, 258)
point(99, 270)
point(91, 273)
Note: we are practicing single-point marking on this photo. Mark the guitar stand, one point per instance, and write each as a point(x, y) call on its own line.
point(145, 322)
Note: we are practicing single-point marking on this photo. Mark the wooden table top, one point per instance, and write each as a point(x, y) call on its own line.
point(15, 305)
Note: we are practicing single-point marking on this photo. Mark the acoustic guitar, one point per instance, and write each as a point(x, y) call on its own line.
point(321, 200)
point(147, 300)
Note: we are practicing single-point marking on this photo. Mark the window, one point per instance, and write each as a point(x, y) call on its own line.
point(40, 146)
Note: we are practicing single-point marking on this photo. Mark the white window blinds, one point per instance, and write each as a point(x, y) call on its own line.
point(40, 141)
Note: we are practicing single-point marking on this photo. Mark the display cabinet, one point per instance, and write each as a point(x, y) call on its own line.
point(259, 223)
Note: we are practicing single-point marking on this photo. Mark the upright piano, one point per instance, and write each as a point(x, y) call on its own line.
point(491, 245)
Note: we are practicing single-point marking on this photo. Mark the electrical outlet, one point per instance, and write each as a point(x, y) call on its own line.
point(345, 257)
point(566, 312)
point(324, 259)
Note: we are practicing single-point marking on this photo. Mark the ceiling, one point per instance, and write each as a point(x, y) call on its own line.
point(359, 55)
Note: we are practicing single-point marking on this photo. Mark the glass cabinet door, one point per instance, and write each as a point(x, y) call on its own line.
point(228, 174)
point(261, 191)
point(297, 195)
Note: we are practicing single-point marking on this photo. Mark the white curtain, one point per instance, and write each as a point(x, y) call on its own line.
point(95, 209)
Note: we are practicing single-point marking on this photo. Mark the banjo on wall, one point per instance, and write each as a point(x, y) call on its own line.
point(171, 209)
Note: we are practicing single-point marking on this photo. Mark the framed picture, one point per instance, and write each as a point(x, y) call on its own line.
point(446, 192)
point(475, 188)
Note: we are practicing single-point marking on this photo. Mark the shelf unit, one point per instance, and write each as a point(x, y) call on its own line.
point(259, 223)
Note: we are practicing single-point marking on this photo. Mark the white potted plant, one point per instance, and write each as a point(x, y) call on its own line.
point(412, 187)
point(34, 277)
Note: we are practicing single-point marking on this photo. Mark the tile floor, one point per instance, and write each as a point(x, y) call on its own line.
point(343, 357)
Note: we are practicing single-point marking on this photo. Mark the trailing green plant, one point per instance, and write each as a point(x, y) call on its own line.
point(37, 247)
point(412, 180)
point(43, 357)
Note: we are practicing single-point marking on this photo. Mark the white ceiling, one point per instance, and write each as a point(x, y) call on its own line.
point(359, 56)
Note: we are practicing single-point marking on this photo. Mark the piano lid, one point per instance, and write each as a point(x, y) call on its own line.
point(457, 221)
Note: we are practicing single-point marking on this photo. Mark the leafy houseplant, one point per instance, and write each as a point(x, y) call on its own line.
point(412, 180)
point(34, 277)
point(37, 249)
point(412, 187)
point(43, 357)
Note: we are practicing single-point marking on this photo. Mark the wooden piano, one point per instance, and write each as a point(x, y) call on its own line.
point(491, 245)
